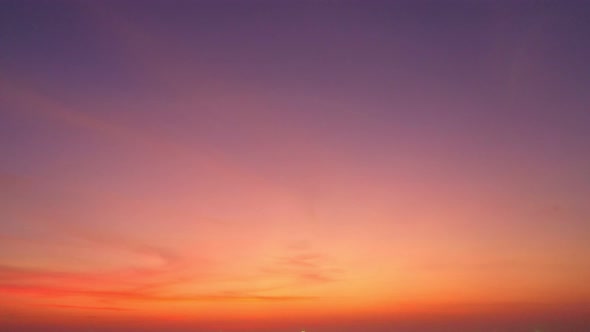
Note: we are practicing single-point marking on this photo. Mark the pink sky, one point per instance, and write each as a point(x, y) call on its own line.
point(226, 165)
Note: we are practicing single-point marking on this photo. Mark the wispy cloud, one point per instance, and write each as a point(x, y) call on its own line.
point(123, 288)
point(126, 296)
point(64, 306)
point(304, 265)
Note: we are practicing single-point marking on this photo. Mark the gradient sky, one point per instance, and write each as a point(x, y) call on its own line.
point(287, 165)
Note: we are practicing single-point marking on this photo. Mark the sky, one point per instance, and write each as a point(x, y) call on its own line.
point(294, 165)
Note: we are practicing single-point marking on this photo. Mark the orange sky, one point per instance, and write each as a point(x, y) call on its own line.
point(166, 184)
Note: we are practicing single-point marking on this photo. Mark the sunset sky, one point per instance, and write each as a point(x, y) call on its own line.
point(362, 166)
